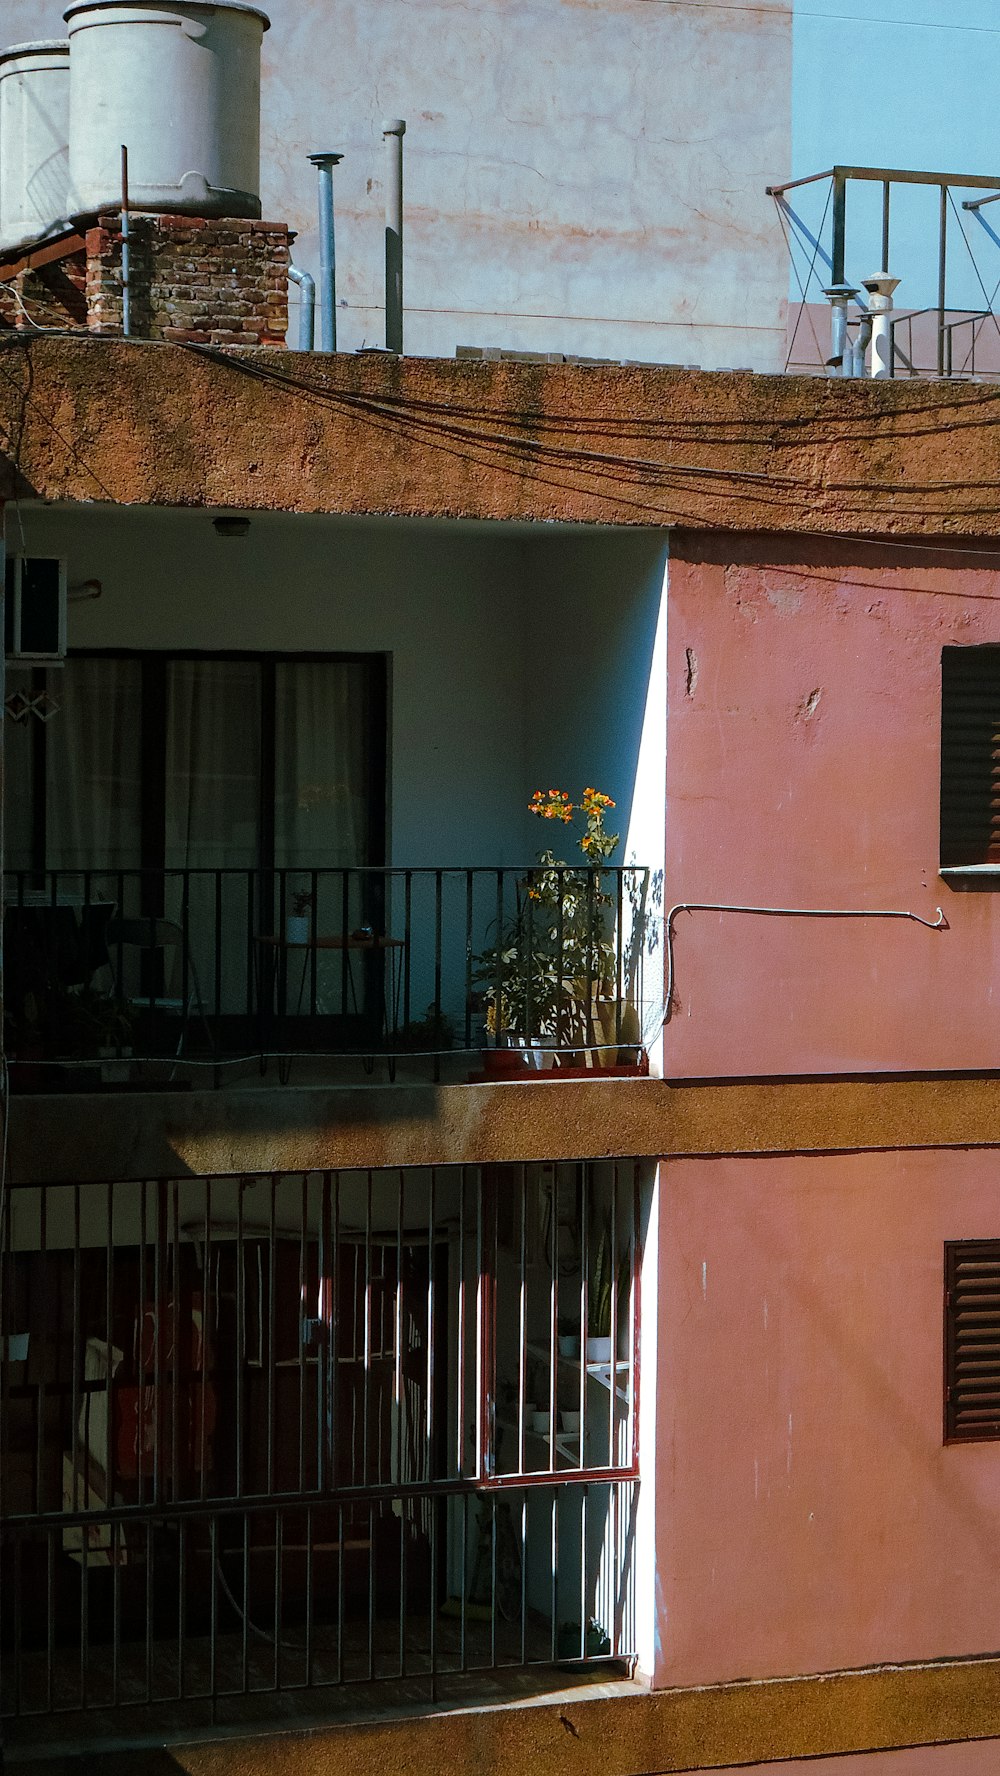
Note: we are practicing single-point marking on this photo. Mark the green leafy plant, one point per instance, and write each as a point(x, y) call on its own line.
point(555, 955)
point(599, 1289)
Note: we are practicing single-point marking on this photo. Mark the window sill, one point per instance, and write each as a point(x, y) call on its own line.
point(982, 871)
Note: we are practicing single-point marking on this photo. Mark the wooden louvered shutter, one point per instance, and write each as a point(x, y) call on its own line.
point(970, 755)
point(972, 1340)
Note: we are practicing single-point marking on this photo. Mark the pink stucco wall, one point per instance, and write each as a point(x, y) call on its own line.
point(803, 770)
point(809, 1516)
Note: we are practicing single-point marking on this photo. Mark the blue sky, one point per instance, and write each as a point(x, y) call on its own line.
point(905, 83)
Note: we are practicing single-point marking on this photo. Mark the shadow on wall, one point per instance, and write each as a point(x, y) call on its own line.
point(597, 686)
point(596, 679)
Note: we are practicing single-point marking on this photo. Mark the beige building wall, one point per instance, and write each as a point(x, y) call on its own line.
point(581, 176)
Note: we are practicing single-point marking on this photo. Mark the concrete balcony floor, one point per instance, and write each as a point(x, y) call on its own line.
point(43, 1742)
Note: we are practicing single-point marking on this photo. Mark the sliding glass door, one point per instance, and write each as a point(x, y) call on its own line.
point(207, 791)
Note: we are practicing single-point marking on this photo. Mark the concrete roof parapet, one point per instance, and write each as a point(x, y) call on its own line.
point(105, 420)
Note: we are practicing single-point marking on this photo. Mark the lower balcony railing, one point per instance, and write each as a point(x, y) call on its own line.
point(206, 966)
point(298, 1433)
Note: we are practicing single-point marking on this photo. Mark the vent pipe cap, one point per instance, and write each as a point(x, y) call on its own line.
point(882, 284)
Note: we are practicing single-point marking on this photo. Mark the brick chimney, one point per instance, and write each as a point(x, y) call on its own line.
point(192, 280)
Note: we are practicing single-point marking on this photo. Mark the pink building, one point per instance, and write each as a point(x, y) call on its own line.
point(830, 751)
point(366, 1271)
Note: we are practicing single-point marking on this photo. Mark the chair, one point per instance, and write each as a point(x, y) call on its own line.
point(149, 935)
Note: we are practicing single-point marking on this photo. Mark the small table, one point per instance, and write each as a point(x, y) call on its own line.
point(277, 949)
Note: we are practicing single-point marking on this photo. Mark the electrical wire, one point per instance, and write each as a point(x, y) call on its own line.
point(781, 13)
point(255, 1056)
point(12, 290)
point(714, 906)
point(439, 417)
point(866, 18)
point(396, 408)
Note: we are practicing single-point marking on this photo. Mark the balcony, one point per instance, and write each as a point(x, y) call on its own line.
point(137, 979)
point(322, 1434)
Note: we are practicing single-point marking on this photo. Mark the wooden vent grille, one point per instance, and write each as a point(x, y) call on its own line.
point(970, 755)
point(972, 1340)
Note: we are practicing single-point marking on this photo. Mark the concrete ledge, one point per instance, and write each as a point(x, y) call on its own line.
point(145, 423)
point(633, 1735)
point(830, 1115)
point(299, 1129)
point(293, 1129)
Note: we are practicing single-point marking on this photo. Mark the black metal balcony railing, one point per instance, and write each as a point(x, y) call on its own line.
point(303, 1432)
point(214, 963)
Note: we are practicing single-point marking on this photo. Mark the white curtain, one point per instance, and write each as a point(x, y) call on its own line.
point(321, 811)
point(213, 764)
point(212, 809)
point(213, 797)
point(93, 789)
point(321, 778)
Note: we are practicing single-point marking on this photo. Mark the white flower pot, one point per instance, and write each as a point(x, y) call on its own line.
point(116, 1065)
point(536, 1057)
point(599, 1350)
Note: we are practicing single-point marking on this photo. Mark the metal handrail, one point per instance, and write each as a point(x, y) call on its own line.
point(381, 961)
point(841, 176)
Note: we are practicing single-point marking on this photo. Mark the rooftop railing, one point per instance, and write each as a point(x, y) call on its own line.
point(831, 255)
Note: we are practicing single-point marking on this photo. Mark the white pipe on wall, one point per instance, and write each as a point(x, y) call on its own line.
point(880, 289)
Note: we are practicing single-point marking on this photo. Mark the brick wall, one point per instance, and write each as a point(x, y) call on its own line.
point(202, 281)
point(53, 296)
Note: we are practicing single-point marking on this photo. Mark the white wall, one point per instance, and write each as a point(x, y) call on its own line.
point(597, 672)
point(314, 584)
point(581, 175)
point(516, 661)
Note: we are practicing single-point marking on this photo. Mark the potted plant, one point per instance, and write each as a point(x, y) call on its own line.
point(554, 960)
point(64, 1024)
point(599, 1341)
point(600, 1332)
point(435, 1031)
point(297, 921)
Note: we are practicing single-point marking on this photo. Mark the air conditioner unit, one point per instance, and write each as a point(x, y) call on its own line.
point(35, 608)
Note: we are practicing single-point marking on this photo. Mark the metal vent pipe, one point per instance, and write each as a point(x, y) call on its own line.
point(324, 164)
point(393, 132)
point(862, 340)
point(840, 361)
point(307, 307)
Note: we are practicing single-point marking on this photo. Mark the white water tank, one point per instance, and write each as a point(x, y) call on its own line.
point(178, 82)
point(34, 118)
